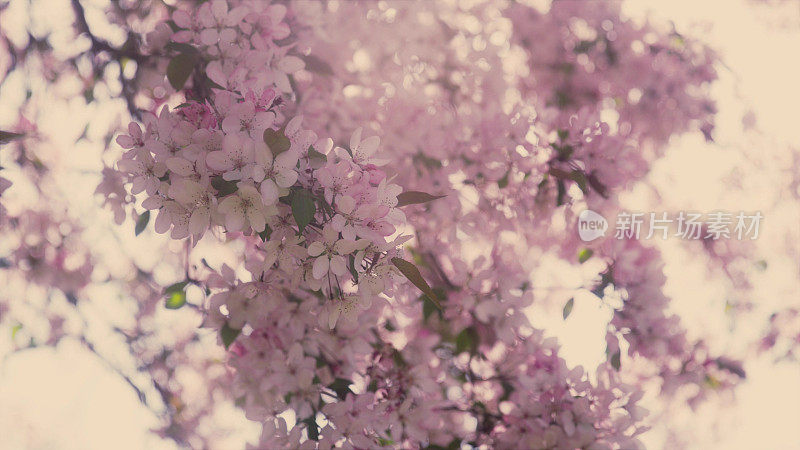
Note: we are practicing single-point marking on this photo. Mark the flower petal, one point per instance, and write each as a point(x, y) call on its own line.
point(320, 267)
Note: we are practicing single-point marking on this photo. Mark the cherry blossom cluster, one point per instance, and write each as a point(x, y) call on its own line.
point(322, 214)
point(323, 219)
point(654, 81)
point(544, 411)
point(651, 332)
point(44, 248)
point(314, 320)
point(43, 261)
point(781, 337)
point(319, 226)
point(623, 78)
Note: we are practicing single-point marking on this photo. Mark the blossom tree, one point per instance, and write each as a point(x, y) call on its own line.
point(358, 201)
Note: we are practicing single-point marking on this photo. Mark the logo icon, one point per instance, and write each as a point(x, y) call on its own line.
point(591, 225)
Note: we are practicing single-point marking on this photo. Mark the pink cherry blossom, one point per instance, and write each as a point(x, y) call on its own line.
point(244, 209)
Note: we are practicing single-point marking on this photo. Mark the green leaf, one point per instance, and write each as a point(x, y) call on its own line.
point(141, 222)
point(15, 329)
point(410, 271)
point(176, 296)
point(580, 179)
point(174, 27)
point(351, 266)
point(584, 46)
point(562, 192)
point(277, 141)
point(415, 197)
point(584, 255)
point(182, 48)
point(503, 182)
point(732, 366)
point(508, 389)
point(467, 340)
point(564, 151)
point(398, 359)
point(177, 287)
point(615, 361)
point(568, 308)
point(303, 209)
point(313, 430)
point(315, 64)
point(7, 136)
point(228, 335)
point(214, 85)
point(223, 186)
point(711, 381)
point(455, 444)
point(373, 385)
point(341, 386)
point(175, 300)
point(179, 69)
point(264, 235)
point(595, 184)
point(313, 154)
point(428, 307)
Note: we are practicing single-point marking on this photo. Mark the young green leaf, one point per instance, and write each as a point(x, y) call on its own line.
point(228, 335)
point(7, 136)
point(264, 235)
point(313, 430)
point(212, 84)
point(467, 340)
point(303, 209)
point(316, 65)
point(175, 300)
point(615, 361)
point(568, 308)
point(179, 69)
point(141, 222)
point(182, 48)
point(410, 271)
point(277, 141)
point(562, 192)
point(15, 329)
point(177, 287)
point(314, 155)
point(580, 179)
point(428, 307)
point(174, 27)
point(503, 182)
point(351, 266)
point(223, 186)
point(415, 197)
point(341, 386)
